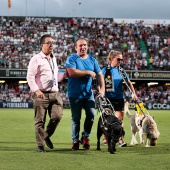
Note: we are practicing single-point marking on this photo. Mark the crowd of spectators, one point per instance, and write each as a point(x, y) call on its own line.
point(151, 94)
point(19, 41)
point(14, 92)
point(20, 92)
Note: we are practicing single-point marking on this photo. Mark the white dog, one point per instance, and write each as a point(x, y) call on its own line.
point(145, 125)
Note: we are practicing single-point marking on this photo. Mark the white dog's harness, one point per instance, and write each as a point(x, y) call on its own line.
point(140, 110)
point(140, 121)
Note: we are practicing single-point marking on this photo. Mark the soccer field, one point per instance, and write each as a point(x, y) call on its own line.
point(18, 147)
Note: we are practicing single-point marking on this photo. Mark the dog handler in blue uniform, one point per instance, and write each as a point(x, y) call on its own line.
point(81, 69)
point(114, 87)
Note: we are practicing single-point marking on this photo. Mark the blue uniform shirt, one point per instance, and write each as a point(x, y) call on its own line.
point(81, 87)
point(117, 81)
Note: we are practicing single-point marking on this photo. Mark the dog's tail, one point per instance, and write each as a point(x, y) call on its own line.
point(126, 110)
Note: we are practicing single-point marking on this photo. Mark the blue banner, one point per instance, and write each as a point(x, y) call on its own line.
point(16, 105)
point(25, 105)
point(66, 104)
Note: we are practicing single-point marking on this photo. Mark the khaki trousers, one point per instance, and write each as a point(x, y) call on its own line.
point(53, 104)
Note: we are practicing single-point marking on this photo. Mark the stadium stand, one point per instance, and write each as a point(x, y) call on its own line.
point(19, 41)
point(20, 93)
point(143, 48)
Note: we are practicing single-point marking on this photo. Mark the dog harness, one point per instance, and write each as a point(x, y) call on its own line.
point(105, 107)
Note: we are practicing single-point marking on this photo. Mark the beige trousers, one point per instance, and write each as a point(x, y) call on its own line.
point(53, 104)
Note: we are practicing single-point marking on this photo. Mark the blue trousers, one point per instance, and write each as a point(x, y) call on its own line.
point(76, 109)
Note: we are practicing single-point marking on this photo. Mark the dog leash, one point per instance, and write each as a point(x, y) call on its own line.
point(139, 105)
point(123, 75)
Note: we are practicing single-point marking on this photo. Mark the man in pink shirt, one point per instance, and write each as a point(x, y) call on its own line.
point(43, 78)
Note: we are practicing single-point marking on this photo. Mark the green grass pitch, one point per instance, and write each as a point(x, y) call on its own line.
point(18, 147)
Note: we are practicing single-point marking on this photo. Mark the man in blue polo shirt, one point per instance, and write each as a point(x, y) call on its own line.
point(82, 69)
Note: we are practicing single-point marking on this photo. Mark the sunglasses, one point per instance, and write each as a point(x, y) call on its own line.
point(119, 59)
point(49, 43)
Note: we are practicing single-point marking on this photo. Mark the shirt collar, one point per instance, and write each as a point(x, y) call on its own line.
point(44, 56)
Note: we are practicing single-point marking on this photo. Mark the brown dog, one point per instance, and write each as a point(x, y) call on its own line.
point(145, 125)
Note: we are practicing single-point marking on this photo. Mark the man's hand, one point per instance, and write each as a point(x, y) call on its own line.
point(40, 94)
point(92, 74)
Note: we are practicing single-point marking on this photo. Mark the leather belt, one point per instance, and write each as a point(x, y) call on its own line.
point(48, 91)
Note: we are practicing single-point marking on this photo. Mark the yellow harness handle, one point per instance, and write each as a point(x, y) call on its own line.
point(140, 108)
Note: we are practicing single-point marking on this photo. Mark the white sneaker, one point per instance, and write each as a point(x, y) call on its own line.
point(122, 144)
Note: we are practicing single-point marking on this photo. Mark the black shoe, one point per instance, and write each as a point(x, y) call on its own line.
point(49, 143)
point(40, 149)
point(75, 146)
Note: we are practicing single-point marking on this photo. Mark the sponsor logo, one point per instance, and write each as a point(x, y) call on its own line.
point(158, 106)
point(15, 105)
point(149, 106)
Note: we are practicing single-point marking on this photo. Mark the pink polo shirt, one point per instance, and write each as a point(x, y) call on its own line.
point(40, 73)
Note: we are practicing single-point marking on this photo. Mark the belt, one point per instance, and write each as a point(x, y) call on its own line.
point(48, 91)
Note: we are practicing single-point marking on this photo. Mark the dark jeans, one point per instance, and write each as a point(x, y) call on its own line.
point(76, 108)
